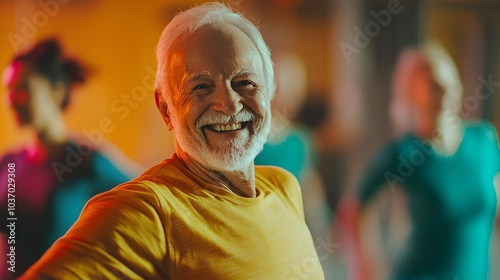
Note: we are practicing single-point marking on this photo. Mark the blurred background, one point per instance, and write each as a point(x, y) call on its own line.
point(347, 49)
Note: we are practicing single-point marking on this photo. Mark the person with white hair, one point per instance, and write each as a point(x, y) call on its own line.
point(207, 212)
point(446, 166)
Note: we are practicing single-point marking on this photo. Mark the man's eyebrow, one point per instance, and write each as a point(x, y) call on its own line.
point(242, 72)
point(197, 76)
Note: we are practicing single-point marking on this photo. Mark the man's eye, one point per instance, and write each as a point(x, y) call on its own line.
point(202, 89)
point(245, 83)
point(201, 86)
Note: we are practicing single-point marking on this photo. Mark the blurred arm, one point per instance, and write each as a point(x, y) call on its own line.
point(352, 212)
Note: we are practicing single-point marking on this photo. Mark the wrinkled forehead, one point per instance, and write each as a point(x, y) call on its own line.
point(214, 38)
point(214, 50)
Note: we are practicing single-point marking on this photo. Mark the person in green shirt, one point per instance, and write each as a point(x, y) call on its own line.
point(446, 167)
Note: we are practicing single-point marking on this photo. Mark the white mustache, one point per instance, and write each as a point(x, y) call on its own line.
point(221, 118)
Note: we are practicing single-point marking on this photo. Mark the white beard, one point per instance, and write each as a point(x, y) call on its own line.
point(237, 154)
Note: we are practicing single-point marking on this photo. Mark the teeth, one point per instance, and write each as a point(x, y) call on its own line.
point(226, 127)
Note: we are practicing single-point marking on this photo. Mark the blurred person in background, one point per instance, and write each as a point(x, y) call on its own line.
point(289, 144)
point(53, 177)
point(207, 212)
point(445, 165)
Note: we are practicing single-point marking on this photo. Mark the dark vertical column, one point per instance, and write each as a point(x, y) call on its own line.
point(405, 29)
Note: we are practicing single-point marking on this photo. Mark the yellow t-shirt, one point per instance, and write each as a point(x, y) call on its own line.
point(169, 224)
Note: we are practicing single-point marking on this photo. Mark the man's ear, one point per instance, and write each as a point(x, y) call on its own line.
point(162, 106)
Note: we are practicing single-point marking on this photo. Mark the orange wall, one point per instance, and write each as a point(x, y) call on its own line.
point(118, 39)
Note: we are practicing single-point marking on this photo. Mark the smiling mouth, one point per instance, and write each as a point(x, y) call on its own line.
point(227, 127)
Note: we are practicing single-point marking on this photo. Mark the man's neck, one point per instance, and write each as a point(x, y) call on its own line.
point(240, 182)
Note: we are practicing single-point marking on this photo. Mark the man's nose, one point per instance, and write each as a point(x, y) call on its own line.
point(227, 100)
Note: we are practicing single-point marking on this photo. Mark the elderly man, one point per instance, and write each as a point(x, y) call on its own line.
point(206, 212)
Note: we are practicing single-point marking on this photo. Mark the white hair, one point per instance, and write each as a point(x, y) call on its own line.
point(443, 70)
point(187, 22)
point(433, 55)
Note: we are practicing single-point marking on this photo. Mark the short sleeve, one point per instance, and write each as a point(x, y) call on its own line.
point(119, 235)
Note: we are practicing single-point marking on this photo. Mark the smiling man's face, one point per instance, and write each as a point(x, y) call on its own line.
point(219, 107)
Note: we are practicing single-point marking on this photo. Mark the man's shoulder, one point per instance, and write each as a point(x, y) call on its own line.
point(274, 173)
point(277, 179)
point(281, 183)
point(159, 184)
point(166, 172)
point(130, 192)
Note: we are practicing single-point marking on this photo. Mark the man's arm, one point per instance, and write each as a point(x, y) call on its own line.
point(120, 234)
